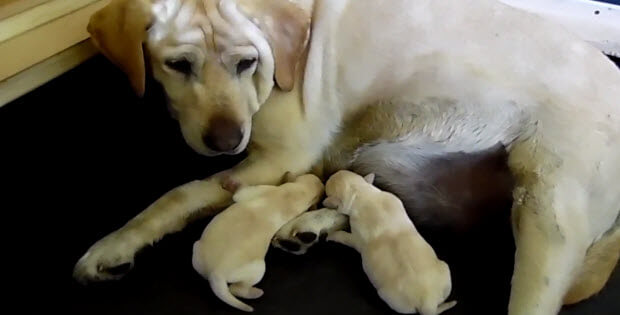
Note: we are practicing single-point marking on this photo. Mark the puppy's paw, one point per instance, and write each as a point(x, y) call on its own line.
point(108, 259)
point(306, 230)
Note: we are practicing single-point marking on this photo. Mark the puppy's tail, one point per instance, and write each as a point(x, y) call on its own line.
point(220, 288)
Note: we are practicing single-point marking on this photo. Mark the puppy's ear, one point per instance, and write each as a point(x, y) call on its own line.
point(370, 178)
point(118, 30)
point(288, 29)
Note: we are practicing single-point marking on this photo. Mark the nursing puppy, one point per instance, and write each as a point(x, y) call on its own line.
point(232, 248)
point(398, 261)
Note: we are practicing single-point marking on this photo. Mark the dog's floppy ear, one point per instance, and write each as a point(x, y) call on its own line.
point(287, 27)
point(118, 30)
point(289, 38)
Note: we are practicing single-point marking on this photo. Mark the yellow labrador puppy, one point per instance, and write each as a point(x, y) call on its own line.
point(232, 248)
point(398, 261)
point(280, 78)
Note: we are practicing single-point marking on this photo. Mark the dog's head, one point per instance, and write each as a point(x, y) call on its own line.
point(218, 60)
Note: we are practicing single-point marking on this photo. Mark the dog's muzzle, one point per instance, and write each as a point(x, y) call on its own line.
point(224, 135)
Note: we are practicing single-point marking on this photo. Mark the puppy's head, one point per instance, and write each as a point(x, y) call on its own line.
point(217, 60)
point(342, 185)
point(313, 184)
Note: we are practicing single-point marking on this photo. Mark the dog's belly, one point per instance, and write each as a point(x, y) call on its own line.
point(446, 176)
point(455, 190)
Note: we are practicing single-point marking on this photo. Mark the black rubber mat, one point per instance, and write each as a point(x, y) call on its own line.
point(82, 155)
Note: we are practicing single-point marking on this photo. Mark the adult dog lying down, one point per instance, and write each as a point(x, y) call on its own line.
point(459, 76)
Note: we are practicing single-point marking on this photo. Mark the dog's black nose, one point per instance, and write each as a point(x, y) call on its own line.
point(223, 135)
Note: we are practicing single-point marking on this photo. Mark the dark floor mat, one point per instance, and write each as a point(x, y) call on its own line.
point(82, 155)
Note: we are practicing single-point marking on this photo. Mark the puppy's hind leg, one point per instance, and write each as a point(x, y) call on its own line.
point(243, 290)
point(246, 278)
point(445, 306)
point(221, 290)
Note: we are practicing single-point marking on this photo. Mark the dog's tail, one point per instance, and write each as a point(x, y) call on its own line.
point(220, 288)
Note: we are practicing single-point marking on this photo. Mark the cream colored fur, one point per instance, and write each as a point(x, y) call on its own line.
point(474, 73)
point(232, 248)
point(398, 261)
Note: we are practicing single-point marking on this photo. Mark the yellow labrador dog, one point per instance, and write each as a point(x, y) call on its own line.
point(458, 76)
point(401, 265)
point(232, 248)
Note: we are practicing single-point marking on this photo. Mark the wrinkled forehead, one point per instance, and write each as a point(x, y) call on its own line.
point(197, 22)
point(178, 22)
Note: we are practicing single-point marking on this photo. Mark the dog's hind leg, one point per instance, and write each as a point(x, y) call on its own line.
point(551, 227)
point(601, 260)
point(549, 252)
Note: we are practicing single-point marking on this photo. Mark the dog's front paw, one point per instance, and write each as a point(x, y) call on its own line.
point(305, 230)
point(108, 259)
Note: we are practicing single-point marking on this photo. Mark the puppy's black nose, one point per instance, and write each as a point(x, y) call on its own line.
point(223, 135)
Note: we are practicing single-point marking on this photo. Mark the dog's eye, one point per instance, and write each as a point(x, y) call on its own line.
point(245, 64)
point(181, 65)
